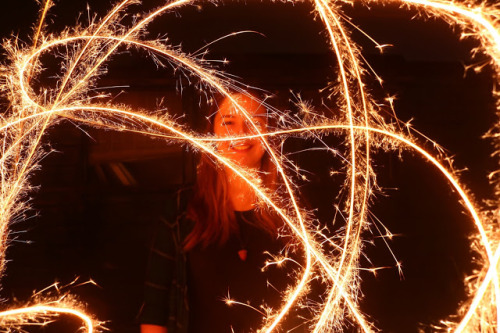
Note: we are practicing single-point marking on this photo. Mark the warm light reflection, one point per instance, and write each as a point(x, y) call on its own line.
point(334, 260)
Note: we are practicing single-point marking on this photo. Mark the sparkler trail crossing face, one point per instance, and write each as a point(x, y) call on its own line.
point(229, 122)
point(88, 49)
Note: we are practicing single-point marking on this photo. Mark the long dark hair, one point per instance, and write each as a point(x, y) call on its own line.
point(211, 207)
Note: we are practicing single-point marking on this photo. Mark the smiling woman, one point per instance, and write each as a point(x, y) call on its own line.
point(216, 250)
point(230, 122)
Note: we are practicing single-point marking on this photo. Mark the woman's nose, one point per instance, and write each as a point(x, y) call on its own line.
point(236, 129)
point(252, 127)
point(241, 128)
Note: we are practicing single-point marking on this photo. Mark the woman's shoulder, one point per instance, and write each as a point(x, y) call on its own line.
point(170, 236)
point(176, 202)
point(175, 217)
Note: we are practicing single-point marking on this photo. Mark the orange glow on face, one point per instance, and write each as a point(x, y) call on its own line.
point(230, 122)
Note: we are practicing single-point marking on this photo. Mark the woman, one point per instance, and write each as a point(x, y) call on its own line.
point(215, 251)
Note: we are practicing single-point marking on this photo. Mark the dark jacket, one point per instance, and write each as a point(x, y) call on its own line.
point(165, 296)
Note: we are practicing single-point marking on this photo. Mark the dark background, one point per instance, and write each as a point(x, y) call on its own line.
point(101, 193)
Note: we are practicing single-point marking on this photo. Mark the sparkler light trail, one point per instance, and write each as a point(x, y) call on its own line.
point(332, 260)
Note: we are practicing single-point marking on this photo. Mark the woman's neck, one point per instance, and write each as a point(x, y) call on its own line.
point(241, 194)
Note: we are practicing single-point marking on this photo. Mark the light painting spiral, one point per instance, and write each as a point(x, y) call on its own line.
point(86, 50)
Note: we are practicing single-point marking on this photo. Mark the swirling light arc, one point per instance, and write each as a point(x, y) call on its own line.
point(23, 129)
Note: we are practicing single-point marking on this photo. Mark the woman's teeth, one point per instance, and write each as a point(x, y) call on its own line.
point(241, 147)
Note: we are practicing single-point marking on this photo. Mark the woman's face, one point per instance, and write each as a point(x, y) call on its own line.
point(231, 122)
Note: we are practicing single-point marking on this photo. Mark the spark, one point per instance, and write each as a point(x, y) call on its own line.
point(333, 260)
point(230, 302)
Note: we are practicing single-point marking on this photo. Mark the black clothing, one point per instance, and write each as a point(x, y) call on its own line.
point(218, 273)
point(187, 291)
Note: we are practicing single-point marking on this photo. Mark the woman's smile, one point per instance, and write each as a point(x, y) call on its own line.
point(230, 122)
point(240, 146)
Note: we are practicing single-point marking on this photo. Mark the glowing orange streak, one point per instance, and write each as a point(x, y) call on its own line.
point(330, 302)
point(43, 309)
point(325, 315)
point(42, 20)
point(213, 81)
point(26, 165)
point(477, 221)
point(55, 43)
point(230, 302)
point(306, 273)
point(476, 17)
point(312, 128)
point(35, 42)
point(35, 146)
point(494, 34)
point(67, 77)
point(366, 115)
point(307, 241)
point(446, 173)
point(303, 234)
point(468, 204)
point(19, 140)
point(470, 207)
point(40, 24)
point(128, 34)
point(21, 175)
point(490, 275)
point(82, 52)
point(347, 99)
point(304, 280)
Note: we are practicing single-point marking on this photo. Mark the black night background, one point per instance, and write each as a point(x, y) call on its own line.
point(101, 193)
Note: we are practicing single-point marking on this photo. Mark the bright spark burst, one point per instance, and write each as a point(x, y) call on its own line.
point(88, 49)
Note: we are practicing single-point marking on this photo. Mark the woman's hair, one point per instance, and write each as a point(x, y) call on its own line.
point(211, 207)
